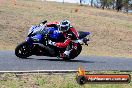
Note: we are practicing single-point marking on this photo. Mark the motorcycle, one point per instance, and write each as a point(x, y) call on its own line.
point(37, 44)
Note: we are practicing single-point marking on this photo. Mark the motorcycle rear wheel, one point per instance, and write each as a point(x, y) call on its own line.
point(74, 53)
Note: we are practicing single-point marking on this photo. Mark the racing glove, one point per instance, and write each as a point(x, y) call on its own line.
point(51, 43)
point(80, 41)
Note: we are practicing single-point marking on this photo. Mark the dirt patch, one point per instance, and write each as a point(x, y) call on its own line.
point(111, 32)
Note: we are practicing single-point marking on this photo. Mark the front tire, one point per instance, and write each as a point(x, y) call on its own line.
point(23, 50)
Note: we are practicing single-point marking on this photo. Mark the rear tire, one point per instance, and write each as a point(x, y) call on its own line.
point(74, 53)
point(23, 50)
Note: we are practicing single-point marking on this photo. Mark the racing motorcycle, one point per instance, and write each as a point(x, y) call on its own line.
point(37, 44)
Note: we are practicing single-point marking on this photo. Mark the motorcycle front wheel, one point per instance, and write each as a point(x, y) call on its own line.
point(23, 50)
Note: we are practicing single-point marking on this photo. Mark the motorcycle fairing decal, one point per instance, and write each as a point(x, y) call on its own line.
point(37, 38)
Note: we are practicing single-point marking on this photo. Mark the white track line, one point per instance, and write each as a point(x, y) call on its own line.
point(41, 71)
point(56, 71)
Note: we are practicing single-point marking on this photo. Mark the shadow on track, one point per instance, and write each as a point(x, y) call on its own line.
point(60, 60)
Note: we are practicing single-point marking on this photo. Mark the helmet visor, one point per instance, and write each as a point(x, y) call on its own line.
point(64, 28)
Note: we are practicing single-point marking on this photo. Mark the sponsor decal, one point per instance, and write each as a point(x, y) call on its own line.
point(83, 78)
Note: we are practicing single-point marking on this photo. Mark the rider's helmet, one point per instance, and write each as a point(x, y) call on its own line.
point(64, 25)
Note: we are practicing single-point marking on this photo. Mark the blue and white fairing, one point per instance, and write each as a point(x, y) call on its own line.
point(34, 34)
point(54, 34)
point(37, 33)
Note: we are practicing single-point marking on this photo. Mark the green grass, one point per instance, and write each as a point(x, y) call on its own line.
point(31, 80)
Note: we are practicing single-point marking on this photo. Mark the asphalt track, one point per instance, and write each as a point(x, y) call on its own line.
point(9, 62)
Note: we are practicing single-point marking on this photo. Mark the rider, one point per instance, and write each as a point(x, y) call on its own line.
point(68, 32)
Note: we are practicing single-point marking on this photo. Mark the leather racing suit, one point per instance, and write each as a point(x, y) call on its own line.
point(65, 39)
